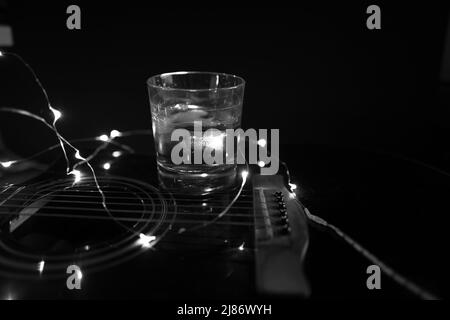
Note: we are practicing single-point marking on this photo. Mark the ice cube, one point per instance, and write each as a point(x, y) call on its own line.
point(188, 116)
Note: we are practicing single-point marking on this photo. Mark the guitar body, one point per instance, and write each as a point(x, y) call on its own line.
point(58, 240)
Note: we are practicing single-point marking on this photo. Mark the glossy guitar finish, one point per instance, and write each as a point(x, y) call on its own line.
point(49, 224)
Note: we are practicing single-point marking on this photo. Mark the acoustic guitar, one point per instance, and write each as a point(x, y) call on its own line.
point(58, 240)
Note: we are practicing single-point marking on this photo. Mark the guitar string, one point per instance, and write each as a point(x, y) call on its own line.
point(252, 219)
point(86, 187)
point(200, 201)
point(90, 209)
point(90, 185)
point(254, 223)
point(79, 193)
point(160, 191)
point(126, 219)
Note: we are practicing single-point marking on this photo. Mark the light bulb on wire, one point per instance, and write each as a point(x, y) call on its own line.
point(7, 164)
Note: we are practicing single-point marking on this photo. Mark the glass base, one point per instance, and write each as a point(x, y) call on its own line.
point(189, 182)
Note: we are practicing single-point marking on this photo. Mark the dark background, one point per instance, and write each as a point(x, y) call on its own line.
point(314, 71)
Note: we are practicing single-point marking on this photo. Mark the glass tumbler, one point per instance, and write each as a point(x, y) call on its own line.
point(191, 111)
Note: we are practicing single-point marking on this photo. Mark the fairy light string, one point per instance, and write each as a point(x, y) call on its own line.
point(57, 114)
point(389, 271)
point(81, 160)
point(116, 154)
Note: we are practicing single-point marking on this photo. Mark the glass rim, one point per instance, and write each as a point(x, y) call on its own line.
point(153, 85)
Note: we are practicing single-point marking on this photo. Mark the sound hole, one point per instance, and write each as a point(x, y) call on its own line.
point(58, 221)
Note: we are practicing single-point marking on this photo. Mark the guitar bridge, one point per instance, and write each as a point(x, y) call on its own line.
point(281, 238)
